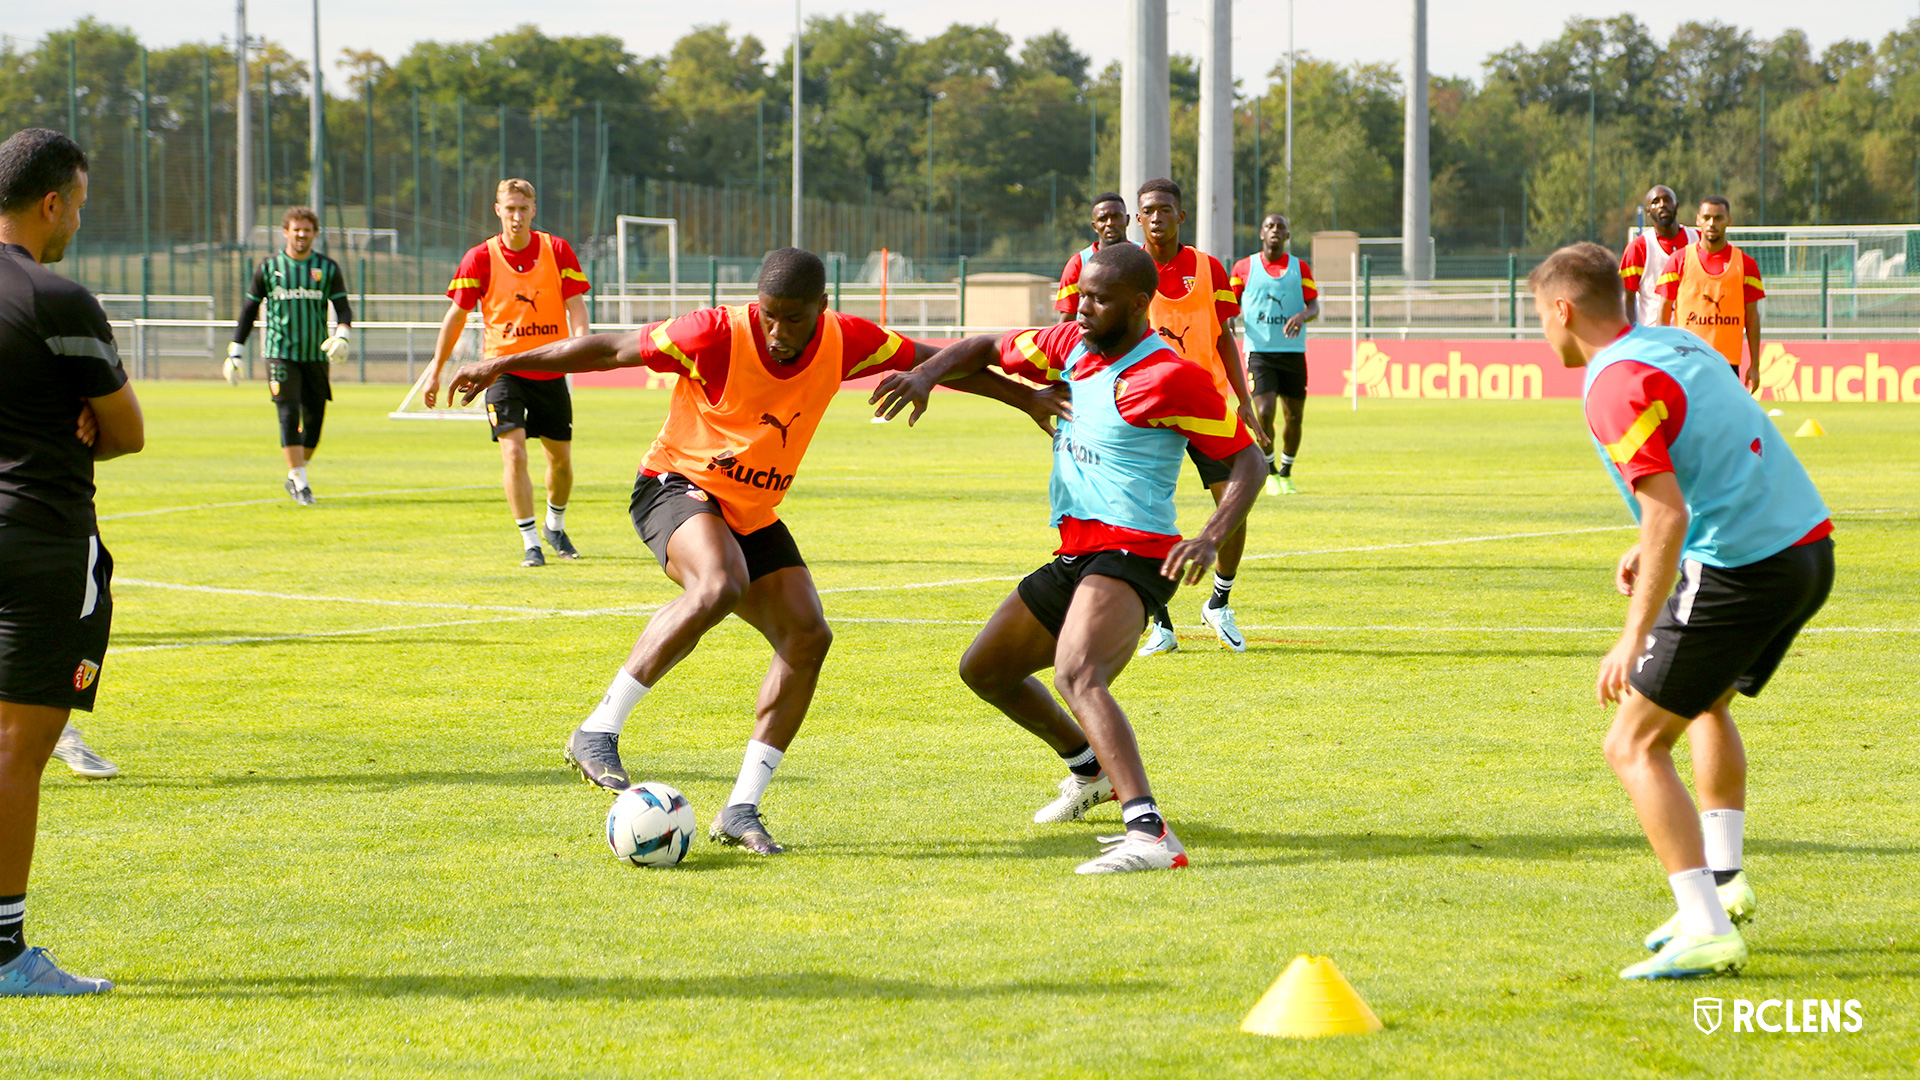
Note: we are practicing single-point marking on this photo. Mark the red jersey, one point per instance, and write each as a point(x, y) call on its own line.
point(1159, 391)
point(1067, 300)
point(1633, 261)
point(1624, 394)
point(699, 345)
point(470, 281)
point(1309, 292)
point(1714, 263)
point(1177, 277)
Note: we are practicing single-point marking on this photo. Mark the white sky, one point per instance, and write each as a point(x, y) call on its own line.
point(1460, 33)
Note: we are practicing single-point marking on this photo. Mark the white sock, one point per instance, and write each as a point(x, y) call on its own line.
point(756, 768)
point(556, 518)
point(1700, 909)
point(298, 476)
point(529, 536)
point(1722, 831)
point(623, 693)
point(1286, 459)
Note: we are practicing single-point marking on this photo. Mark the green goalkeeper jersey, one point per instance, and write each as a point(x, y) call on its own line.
point(293, 295)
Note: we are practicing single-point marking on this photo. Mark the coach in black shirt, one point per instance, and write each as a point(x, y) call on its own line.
point(64, 404)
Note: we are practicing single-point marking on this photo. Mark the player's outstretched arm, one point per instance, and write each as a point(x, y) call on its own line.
point(968, 356)
point(1663, 533)
point(1243, 484)
point(588, 352)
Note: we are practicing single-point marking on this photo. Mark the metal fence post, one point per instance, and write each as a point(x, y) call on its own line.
point(1366, 289)
point(837, 260)
point(713, 281)
point(1826, 304)
point(960, 317)
point(360, 339)
point(1513, 292)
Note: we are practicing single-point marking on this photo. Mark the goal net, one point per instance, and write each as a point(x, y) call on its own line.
point(643, 248)
point(414, 406)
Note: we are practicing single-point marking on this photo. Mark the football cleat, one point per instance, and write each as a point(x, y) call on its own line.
point(293, 492)
point(535, 557)
point(304, 496)
point(1736, 896)
point(1286, 486)
point(1273, 484)
point(597, 755)
point(34, 974)
point(1159, 639)
point(1689, 956)
point(1130, 851)
point(78, 756)
point(739, 825)
point(1224, 627)
point(1077, 796)
point(562, 545)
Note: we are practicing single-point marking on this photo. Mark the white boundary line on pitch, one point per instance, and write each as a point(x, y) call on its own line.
point(265, 502)
point(447, 605)
point(1399, 629)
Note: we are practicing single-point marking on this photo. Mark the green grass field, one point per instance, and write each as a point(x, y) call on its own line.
point(343, 843)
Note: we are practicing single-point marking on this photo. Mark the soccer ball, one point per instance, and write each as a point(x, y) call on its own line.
point(650, 824)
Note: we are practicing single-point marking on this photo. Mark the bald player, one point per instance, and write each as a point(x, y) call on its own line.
point(1645, 261)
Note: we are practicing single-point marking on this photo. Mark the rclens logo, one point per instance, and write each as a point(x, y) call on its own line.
point(1809, 1016)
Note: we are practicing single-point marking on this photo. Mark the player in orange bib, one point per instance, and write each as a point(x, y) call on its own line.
point(1193, 310)
point(530, 291)
point(1713, 289)
point(754, 382)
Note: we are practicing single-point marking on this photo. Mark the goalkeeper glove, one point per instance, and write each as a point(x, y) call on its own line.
point(236, 356)
point(335, 347)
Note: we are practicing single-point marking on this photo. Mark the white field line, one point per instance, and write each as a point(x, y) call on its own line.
point(518, 614)
point(266, 502)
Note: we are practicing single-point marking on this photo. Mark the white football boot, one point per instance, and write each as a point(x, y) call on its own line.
point(1129, 852)
point(1077, 796)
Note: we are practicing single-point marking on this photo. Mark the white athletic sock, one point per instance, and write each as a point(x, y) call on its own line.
point(1700, 909)
point(1722, 831)
point(298, 476)
point(756, 768)
point(1286, 459)
point(623, 693)
point(529, 536)
point(556, 518)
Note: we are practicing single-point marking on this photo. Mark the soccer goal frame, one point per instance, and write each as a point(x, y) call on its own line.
point(672, 225)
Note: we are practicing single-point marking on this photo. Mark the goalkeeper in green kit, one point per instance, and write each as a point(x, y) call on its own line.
point(293, 287)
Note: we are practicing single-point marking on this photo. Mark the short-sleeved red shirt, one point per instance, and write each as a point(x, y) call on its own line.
point(1633, 261)
point(1067, 300)
point(470, 281)
point(1159, 391)
point(1714, 263)
point(701, 342)
point(1309, 291)
point(1176, 278)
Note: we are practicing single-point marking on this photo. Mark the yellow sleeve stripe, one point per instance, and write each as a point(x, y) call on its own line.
point(880, 355)
point(1636, 437)
point(1066, 291)
point(464, 283)
point(665, 344)
point(1669, 276)
point(574, 274)
point(1632, 271)
point(1235, 282)
point(1755, 282)
point(1221, 428)
point(1305, 282)
point(1028, 344)
point(1225, 294)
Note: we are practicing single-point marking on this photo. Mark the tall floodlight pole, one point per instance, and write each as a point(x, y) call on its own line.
point(1146, 138)
point(243, 134)
point(797, 141)
point(1291, 55)
point(316, 128)
point(1214, 229)
point(1416, 182)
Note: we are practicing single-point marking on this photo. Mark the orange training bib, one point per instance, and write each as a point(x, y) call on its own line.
point(745, 449)
point(1714, 306)
point(522, 311)
point(1191, 324)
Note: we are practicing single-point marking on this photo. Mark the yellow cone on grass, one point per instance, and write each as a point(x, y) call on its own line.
point(1811, 427)
point(1310, 998)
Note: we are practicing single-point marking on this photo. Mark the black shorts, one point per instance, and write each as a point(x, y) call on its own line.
point(1729, 627)
point(56, 611)
point(1211, 472)
point(299, 382)
point(543, 407)
point(663, 503)
point(1048, 591)
point(1282, 373)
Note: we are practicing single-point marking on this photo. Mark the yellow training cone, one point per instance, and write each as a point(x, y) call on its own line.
point(1310, 998)
point(1811, 427)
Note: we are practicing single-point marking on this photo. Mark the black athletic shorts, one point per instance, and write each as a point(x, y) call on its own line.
point(543, 407)
point(56, 609)
point(663, 503)
point(1048, 591)
point(1729, 627)
point(299, 382)
point(1282, 373)
point(1211, 472)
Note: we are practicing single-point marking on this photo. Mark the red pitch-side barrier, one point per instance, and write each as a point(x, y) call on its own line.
point(1816, 371)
